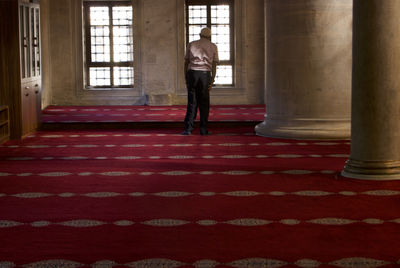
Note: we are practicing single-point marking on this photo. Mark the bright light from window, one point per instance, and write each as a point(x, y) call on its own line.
point(111, 45)
point(219, 18)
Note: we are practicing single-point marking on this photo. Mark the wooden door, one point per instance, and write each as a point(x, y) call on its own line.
point(26, 109)
point(36, 104)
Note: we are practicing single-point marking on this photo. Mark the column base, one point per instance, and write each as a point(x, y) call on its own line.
point(307, 129)
point(372, 170)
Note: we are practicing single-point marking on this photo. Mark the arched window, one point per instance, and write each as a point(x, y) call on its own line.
point(108, 44)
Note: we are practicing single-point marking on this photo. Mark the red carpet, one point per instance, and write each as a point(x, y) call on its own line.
point(152, 198)
point(76, 114)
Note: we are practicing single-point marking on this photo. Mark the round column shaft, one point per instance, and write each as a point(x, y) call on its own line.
point(308, 69)
point(375, 131)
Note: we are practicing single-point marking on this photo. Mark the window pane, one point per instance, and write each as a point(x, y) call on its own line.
point(100, 43)
point(220, 14)
point(33, 58)
point(37, 40)
point(123, 47)
point(99, 76)
point(218, 18)
point(99, 16)
point(197, 14)
point(224, 75)
point(27, 40)
point(122, 15)
point(110, 38)
point(22, 42)
point(194, 32)
point(221, 37)
point(123, 76)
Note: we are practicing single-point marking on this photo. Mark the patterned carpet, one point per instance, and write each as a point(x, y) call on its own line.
point(153, 198)
point(76, 114)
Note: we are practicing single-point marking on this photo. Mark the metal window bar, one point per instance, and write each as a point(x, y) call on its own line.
point(109, 44)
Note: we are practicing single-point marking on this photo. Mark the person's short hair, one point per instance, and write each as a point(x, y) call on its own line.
point(206, 32)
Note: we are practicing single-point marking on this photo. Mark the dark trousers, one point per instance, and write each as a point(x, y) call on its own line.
point(197, 83)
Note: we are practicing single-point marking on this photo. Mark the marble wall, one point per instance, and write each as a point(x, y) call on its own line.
point(159, 51)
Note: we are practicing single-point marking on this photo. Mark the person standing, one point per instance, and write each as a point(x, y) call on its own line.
point(200, 68)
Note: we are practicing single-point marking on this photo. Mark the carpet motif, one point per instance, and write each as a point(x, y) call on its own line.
point(76, 114)
point(176, 194)
point(167, 173)
point(355, 262)
point(152, 198)
point(245, 222)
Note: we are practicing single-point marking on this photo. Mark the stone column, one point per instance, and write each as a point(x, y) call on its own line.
point(375, 131)
point(308, 69)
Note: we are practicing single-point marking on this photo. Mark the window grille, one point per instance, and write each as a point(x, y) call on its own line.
point(218, 16)
point(109, 44)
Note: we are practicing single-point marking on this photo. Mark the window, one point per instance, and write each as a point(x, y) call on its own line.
point(218, 16)
point(109, 44)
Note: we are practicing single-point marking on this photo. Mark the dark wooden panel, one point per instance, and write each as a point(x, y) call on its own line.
point(4, 123)
point(10, 64)
point(23, 120)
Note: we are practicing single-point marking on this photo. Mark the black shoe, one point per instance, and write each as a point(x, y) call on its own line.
point(205, 133)
point(186, 133)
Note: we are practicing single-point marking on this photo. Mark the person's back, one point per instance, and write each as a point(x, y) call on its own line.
point(202, 53)
point(200, 69)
